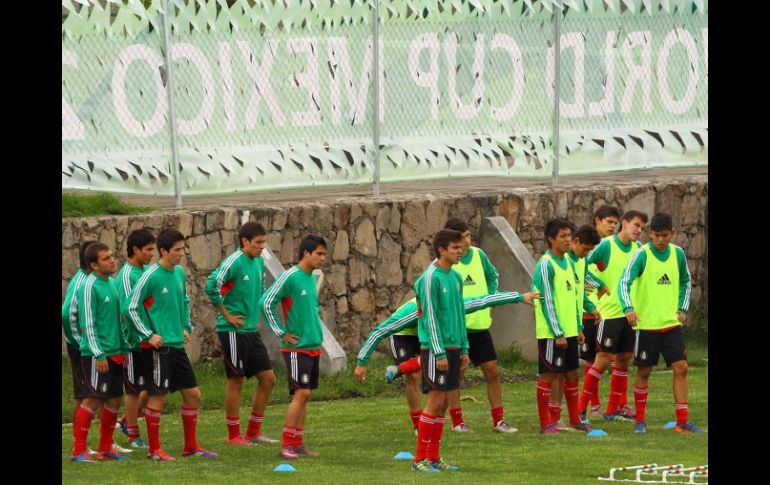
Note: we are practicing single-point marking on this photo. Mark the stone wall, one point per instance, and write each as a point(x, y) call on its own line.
point(378, 246)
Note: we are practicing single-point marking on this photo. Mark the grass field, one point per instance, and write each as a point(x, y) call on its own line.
point(357, 429)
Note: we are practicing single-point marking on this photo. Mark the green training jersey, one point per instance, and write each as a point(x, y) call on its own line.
point(441, 315)
point(295, 289)
point(237, 283)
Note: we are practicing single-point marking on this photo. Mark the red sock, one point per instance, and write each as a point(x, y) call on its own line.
point(415, 415)
point(189, 423)
point(424, 434)
point(433, 452)
point(410, 366)
point(640, 397)
point(107, 426)
point(80, 426)
point(571, 393)
point(554, 411)
point(233, 426)
point(299, 436)
point(681, 413)
point(133, 432)
point(623, 401)
point(543, 397)
point(595, 401)
point(255, 425)
point(497, 415)
point(152, 420)
point(618, 386)
point(590, 388)
point(457, 416)
point(288, 436)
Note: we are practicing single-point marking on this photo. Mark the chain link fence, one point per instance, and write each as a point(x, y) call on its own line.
point(282, 93)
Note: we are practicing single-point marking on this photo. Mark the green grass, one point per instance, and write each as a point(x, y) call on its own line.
point(76, 205)
point(358, 437)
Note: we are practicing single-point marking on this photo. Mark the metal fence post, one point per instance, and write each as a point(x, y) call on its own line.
point(171, 112)
point(376, 90)
point(556, 93)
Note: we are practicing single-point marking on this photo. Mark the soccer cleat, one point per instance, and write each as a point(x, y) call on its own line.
point(618, 417)
point(288, 453)
point(116, 448)
point(561, 426)
point(627, 411)
point(583, 417)
point(391, 373)
point(123, 427)
point(82, 458)
point(138, 443)
point(199, 452)
point(304, 451)
point(160, 456)
point(462, 428)
point(424, 466)
point(239, 440)
point(640, 427)
point(260, 438)
point(503, 427)
point(550, 429)
point(687, 427)
point(581, 427)
point(441, 465)
point(109, 456)
point(596, 410)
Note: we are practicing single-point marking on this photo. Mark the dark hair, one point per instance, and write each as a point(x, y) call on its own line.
point(138, 238)
point(444, 237)
point(167, 238)
point(250, 230)
point(661, 222)
point(586, 234)
point(553, 227)
point(310, 244)
point(457, 224)
point(92, 252)
point(606, 211)
point(629, 216)
point(82, 254)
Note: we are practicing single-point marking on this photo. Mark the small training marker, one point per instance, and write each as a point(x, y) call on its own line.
point(284, 467)
point(404, 455)
point(669, 425)
point(597, 432)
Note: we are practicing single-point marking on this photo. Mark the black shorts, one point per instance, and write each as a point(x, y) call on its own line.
point(553, 359)
point(79, 390)
point(167, 369)
point(650, 344)
point(404, 347)
point(615, 336)
point(302, 370)
point(588, 349)
point(481, 348)
point(134, 380)
point(244, 354)
point(435, 380)
point(99, 385)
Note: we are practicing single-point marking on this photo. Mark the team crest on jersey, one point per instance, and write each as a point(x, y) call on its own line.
point(245, 277)
point(240, 363)
point(441, 379)
point(558, 362)
point(165, 382)
point(140, 381)
point(305, 378)
point(103, 387)
point(608, 342)
point(643, 355)
point(107, 299)
point(402, 352)
point(304, 293)
point(165, 290)
point(443, 290)
point(584, 347)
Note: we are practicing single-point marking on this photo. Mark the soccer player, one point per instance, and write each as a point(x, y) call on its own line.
point(657, 308)
point(558, 325)
point(234, 288)
point(159, 309)
point(69, 323)
point(479, 278)
point(140, 246)
point(443, 344)
point(301, 337)
point(614, 335)
point(100, 351)
point(404, 319)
